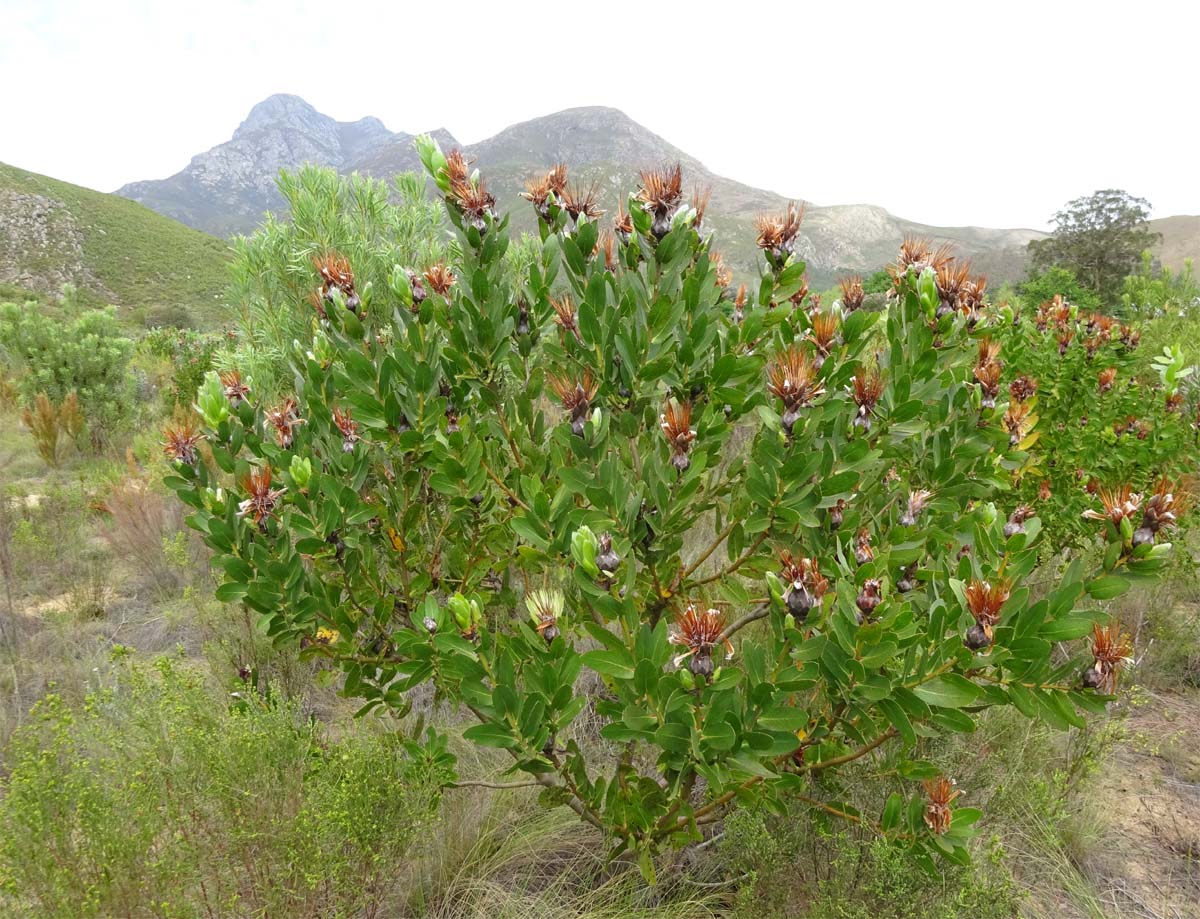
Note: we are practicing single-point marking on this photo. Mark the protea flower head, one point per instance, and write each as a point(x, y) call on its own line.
point(1130, 337)
point(952, 278)
point(852, 292)
point(739, 305)
point(700, 199)
point(1044, 490)
point(542, 191)
point(581, 202)
point(545, 609)
point(823, 333)
point(867, 387)
point(941, 793)
point(180, 443)
point(806, 585)
point(1162, 511)
point(722, 275)
point(868, 598)
point(261, 499)
point(336, 274)
point(801, 293)
point(1111, 649)
point(475, 202)
point(440, 279)
point(915, 506)
point(1018, 420)
point(576, 397)
point(863, 552)
point(607, 243)
point(971, 297)
point(418, 291)
point(1174, 401)
point(792, 378)
point(1064, 336)
point(565, 315)
point(918, 254)
point(1119, 503)
point(1022, 389)
point(661, 194)
point(984, 601)
point(676, 424)
point(987, 372)
point(623, 224)
point(607, 559)
point(700, 633)
point(348, 428)
point(777, 233)
point(284, 418)
point(1016, 520)
point(236, 390)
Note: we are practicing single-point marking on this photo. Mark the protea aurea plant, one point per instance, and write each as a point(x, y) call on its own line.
point(941, 793)
point(792, 378)
point(181, 442)
point(777, 234)
point(918, 499)
point(1161, 511)
point(469, 192)
point(823, 333)
point(545, 609)
point(623, 224)
point(543, 191)
point(236, 389)
point(661, 194)
point(985, 599)
point(868, 599)
point(284, 418)
point(700, 632)
point(863, 551)
point(676, 424)
point(972, 299)
point(347, 427)
point(1018, 421)
point(916, 255)
point(336, 275)
point(952, 276)
point(1112, 648)
point(440, 278)
point(261, 498)
point(852, 293)
point(581, 202)
point(866, 388)
point(806, 586)
point(576, 396)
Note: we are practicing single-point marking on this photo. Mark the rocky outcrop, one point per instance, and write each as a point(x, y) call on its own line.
point(42, 245)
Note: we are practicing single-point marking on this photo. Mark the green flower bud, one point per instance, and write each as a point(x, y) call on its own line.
point(584, 547)
point(300, 471)
point(210, 400)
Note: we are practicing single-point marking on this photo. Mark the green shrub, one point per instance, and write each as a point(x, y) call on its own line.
point(1053, 282)
point(155, 799)
point(493, 483)
point(88, 355)
point(188, 356)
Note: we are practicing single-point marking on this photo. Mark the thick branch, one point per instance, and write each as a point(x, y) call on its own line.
point(737, 625)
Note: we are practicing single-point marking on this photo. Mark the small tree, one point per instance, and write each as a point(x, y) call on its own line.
point(761, 544)
point(1100, 239)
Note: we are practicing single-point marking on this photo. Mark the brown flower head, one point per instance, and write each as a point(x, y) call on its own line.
point(1105, 379)
point(792, 378)
point(1065, 334)
point(607, 244)
point(723, 276)
point(1119, 503)
point(1162, 511)
point(676, 424)
point(1111, 649)
point(1022, 389)
point(918, 254)
point(917, 501)
point(777, 233)
point(1018, 421)
point(1174, 401)
point(852, 292)
point(1044, 490)
point(576, 397)
point(236, 391)
point(700, 633)
point(700, 199)
point(806, 584)
point(336, 275)
point(457, 169)
point(261, 499)
point(984, 601)
point(180, 443)
point(623, 224)
point(823, 333)
point(867, 387)
point(539, 191)
point(1016, 520)
point(953, 276)
point(348, 428)
point(739, 305)
point(581, 202)
point(284, 418)
point(863, 552)
point(801, 293)
point(868, 598)
point(440, 279)
point(661, 194)
point(565, 315)
point(942, 794)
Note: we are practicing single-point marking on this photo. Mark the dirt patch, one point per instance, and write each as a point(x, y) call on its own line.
point(1147, 862)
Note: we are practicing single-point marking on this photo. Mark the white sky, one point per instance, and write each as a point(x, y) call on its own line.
point(947, 113)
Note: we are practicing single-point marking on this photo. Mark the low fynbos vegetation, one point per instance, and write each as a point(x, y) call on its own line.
point(778, 537)
point(155, 799)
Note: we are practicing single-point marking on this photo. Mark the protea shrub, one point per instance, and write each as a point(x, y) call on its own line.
point(816, 524)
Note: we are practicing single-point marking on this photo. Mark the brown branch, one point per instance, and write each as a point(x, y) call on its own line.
point(712, 547)
point(736, 563)
point(738, 624)
point(508, 491)
point(481, 784)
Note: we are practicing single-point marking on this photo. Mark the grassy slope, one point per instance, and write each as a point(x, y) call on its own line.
point(140, 259)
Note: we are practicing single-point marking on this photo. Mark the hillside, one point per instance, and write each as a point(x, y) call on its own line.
point(112, 249)
point(226, 189)
point(1180, 239)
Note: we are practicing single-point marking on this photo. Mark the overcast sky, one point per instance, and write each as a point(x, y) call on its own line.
point(946, 113)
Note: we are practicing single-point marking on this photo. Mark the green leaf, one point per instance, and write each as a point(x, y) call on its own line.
point(490, 735)
point(948, 691)
point(1106, 587)
point(617, 664)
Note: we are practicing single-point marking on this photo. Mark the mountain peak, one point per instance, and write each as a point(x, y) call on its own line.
point(281, 109)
